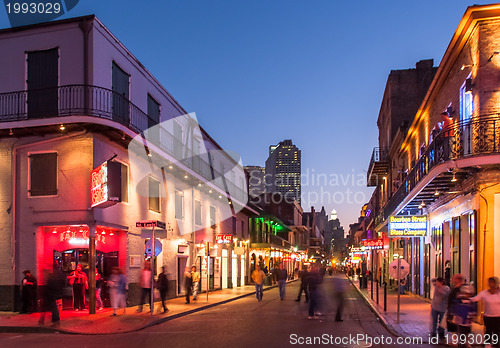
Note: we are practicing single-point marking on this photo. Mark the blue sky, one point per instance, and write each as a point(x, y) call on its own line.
point(257, 72)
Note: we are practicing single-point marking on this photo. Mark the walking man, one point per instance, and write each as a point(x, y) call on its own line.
point(145, 285)
point(438, 305)
point(28, 293)
point(303, 275)
point(282, 276)
point(163, 288)
point(258, 277)
point(188, 284)
point(196, 282)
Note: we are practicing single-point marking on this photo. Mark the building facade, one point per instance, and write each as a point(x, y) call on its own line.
point(92, 143)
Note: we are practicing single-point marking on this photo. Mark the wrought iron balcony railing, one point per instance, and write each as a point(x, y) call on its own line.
point(82, 100)
point(476, 137)
point(378, 167)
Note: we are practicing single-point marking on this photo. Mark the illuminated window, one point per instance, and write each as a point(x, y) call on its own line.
point(43, 174)
point(124, 184)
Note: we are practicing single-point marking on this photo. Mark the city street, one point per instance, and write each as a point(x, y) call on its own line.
point(242, 323)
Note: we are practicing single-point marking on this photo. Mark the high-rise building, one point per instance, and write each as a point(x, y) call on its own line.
point(283, 170)
point(256, 184)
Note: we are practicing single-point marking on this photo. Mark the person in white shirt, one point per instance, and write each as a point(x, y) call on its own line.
point(491, 301)
point(145, 285)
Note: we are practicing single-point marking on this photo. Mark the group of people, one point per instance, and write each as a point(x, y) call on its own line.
point(459, 305)
point(191, 283)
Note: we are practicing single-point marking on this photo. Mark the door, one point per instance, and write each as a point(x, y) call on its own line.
point(466, 111)
point(181, 268)
point(120, 87)
point(42, 83)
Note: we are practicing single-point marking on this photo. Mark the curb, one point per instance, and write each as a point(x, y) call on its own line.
point(43, 329)
point(379, 315)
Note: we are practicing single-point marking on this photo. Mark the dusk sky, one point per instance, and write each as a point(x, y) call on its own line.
point(257, 72)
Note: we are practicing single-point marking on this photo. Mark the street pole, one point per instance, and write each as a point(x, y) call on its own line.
point(92, 259)
point(153, 252)
point(208, 267)
point(399, 285)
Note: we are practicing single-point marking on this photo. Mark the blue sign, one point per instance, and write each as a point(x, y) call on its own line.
point(149, 247)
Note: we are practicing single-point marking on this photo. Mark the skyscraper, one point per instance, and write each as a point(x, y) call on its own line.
point(256, 185)
point(283, 170)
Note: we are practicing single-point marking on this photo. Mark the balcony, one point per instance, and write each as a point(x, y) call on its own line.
point(378, 167)
point(450, 158)
point(102, 103)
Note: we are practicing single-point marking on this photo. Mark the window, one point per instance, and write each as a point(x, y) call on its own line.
point(124, 182)
point(466, 101)
point(120, 85)
point(179, 205)
point(455, 246)
point(197, 212)
point(212, 217)
point(153, 119)
point(43, 174)
point(154, 195)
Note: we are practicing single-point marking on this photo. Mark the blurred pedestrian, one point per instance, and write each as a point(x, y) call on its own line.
point(340, 289)
point(314, 291)
point(196, 282)
point(78, 279)
point(447, 273)
point(163, 288)
point(50, 295)
point(438, 306)
point(98, 289)
point(188, 284)
point(303, 276)
point(117, 283)
point(145, 283)
point(258, 277)
point(491, 301)
point(282, 276)
point(29, 293)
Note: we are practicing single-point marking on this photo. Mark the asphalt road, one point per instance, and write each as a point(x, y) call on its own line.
point(243, 323)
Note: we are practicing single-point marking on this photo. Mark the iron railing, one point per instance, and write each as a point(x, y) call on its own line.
point(83, 100)
point(476, 137)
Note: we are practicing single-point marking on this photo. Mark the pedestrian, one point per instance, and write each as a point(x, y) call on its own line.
point(196, 282)
point(50, 295)
point(340, 289)
point(258, 277)
point(29, 293)
point(314, 291)
point(491, 301)
point(163, 288)
point(78, 279)
point(188, 284)
point(282, 276)
point(303, 276)
point(438, 306)
point(458, 317)
point(98, 289)
point(145, 283)
point(117, 283)
point(447, 273)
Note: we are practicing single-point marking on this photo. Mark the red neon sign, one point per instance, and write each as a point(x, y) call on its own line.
point(99, 185)
point(223, 238)
point(373, 244)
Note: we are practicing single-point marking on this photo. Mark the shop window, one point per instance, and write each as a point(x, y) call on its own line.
point(43, 174)
point(179, 205)
point(154, 195)
point(197, 212)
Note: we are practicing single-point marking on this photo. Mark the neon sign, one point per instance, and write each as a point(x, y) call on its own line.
point(105, 184)
point(408, 226)
point(373, 244)
point(223, 238)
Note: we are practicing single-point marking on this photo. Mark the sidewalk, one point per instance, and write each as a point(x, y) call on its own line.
point(102, 323)
point(415, 312)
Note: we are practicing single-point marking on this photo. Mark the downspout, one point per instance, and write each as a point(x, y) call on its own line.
point(86, 26)
point(14, 202)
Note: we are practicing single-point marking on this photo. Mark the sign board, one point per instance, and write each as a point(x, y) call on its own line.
point(408, 226)
point(373, 244)
point(223, 238)
point(151, 223)
point(105, 184)
point(149, 247)
point(393, 269)
point(239, 250)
